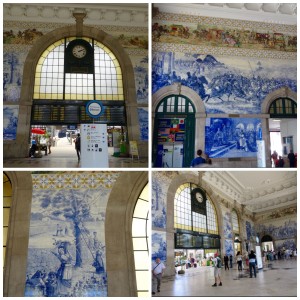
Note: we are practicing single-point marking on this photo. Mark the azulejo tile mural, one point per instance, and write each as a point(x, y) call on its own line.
point(229, 247)
point(143, 120)
point(232, 137)
point(159, 202)
point(159, 245)
point(233, 85)
point(10, 122)
point(66, 255)
point(227, 228)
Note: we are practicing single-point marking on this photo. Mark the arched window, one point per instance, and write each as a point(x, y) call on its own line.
point(283, 108)
point(186, 219)
point(7, 198)
point(100, 78)
point(140, 238)
point(175, 104)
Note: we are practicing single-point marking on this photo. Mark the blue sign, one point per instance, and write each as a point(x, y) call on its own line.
point(94, 108)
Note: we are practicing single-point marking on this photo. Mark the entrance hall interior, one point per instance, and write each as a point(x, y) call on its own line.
point(223, 75)
point(197, 215)
point(86, 65)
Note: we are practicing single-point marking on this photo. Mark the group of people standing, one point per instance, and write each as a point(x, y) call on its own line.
point(278, 160)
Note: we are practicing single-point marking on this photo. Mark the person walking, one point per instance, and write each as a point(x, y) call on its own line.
point(157, 273)
point(217, 264)
point(239, 260)
point(77, 146)
point(226, 260)
point(230, 260)
point(252, 263)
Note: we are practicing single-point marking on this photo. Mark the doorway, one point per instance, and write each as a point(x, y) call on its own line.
point(174, 132)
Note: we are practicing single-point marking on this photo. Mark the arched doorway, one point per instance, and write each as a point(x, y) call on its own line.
point(174, 132)
point(69, 110)
point(267, 243)
point(280, 128)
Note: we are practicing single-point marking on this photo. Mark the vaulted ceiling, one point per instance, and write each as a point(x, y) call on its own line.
point(259, 191)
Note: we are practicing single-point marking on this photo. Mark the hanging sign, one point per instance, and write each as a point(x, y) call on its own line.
point(94, 108)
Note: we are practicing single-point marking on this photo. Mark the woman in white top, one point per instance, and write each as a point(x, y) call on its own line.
point(239, 260)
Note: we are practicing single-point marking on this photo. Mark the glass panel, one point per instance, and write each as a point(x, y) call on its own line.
point(138, 227)
point(140, 244)
point(6, 201)
point(145, 193)
point(142, 280)
point(140, 257)
point(5, 230)
point(141, 209)
point(4, 252)
point(6, 216)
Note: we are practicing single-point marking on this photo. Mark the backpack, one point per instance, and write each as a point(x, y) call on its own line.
point(219, 263)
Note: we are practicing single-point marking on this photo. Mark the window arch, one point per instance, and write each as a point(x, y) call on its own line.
point(140, 241)
point(53, 83)
point(176, 104)
point(284, 108)
point(186, 219)
point(7, 199)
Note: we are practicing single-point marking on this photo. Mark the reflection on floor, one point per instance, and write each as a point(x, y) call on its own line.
point(64, 156)
point(276, 279)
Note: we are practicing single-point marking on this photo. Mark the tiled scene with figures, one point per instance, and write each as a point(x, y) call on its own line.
point(231, 81)
point(60, 230)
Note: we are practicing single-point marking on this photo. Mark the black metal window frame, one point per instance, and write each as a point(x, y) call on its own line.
point(283, 108)
point(175, 104)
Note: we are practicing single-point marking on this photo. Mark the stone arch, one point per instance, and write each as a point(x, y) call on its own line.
point(178, 180)
point(283, 92)
point(200, 113)
point(178, 89)
point(26, 97)
point(118, 237)
point(18, 235)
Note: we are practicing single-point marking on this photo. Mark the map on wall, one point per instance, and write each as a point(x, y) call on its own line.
point(231, 137)
point(67, 252)
point(10, 122)
point(234, 85)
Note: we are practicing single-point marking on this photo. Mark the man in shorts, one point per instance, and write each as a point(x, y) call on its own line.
point(217, 264)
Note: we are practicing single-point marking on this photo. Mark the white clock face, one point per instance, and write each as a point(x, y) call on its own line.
point(79, 51)
point(199, 197)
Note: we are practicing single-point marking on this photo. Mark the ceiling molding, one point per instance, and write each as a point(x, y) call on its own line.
point(96, 14)
point(258, 191)
point(277, 13)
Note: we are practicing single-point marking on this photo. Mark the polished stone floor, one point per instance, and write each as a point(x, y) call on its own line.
point(278, 279)
point(64, 156)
